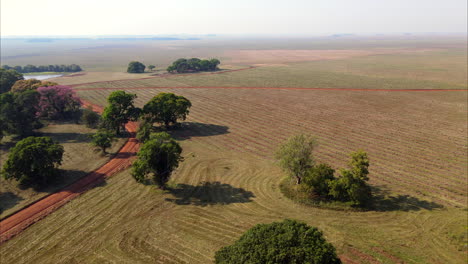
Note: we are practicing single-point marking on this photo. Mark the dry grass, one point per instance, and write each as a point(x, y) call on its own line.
point(216, 196)
point(78, 160)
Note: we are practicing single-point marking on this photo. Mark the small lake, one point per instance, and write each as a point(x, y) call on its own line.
point(41, 77)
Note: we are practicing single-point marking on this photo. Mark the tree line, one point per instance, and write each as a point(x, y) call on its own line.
point(44, 68)
point(179, 66)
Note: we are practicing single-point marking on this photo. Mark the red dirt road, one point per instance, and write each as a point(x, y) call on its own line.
point(22, 219)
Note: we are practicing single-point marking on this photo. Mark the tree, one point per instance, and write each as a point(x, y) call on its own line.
point(352, 185)
point(151, 67)
point(18, 113)
point(318, 177)
point(166, 108)
point(158, 157)
point(33, 161)
point(295, 156)
point(90, 118)
point(120, 110)
point(31, 84)
point(214, 64)
point(193, 65)
point(103, 140)
point(58, 102)
point(136, 67)
point(285, 242)
point(144, 131)
point(8, 78)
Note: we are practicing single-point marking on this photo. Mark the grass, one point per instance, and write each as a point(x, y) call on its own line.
point(79, 159)
point(46, 73)
point(218, 195)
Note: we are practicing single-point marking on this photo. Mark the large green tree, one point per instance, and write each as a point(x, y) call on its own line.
point(166, 108)
point(158, 157)
point(8, 79)
point(18, 112)
point(295, 156)
point(284, 242)
point(136, 67)
point(120, 110)
point(33, 161)
point(31, 84)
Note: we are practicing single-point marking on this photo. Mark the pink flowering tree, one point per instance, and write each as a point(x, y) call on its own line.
point(58, 102)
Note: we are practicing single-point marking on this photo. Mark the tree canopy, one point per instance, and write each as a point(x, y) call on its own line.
point(295, 156)
point(136, 67)
point(193, 65)
point(30, 84)
point(90, 118)
point(18, 112)
point(45, 68)
point(8, 77)
point(166, 108)
point(58, 102)
point(120, 110)
point(102, 139)
point(285, 242)
point(158, 157)
point(33, 161)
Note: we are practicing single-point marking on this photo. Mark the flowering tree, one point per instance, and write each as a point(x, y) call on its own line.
point(58, 101)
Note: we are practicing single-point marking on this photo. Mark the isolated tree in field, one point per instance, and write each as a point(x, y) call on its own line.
point(120, 110)
point(90, 118)
point(352, 185)
point(103, 140)
point(151, 67)
point(33, 161)
point(18, 113)
point(8, 79)
point(318, 177)
point(158, 157)
point(295, 156)
point(136, 67)
point(166, 108)
point(284, 242)
point(58, 102)
point(31, 84)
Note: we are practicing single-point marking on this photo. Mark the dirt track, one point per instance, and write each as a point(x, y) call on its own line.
point(22, 219)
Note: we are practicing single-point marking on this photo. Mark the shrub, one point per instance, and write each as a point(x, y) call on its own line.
point(318, 178)
point(103, 140)
point(289, 241)
point(90, 118)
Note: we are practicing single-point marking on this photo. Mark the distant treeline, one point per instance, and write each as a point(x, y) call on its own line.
point(193, 65)
point(44, 68)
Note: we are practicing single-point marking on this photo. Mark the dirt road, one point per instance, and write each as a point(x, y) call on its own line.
point(20, 220)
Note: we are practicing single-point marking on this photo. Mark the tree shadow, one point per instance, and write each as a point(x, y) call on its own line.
point(8, 200)
point(209, 193)
point(382, 201)
point(187, 130)
point(68, 137)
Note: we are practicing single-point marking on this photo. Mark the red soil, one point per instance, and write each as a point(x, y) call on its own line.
point(19, 221)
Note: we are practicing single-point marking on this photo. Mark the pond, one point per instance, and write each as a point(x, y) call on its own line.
point(41, 77)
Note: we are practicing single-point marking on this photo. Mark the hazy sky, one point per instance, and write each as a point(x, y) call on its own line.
point(148, 17)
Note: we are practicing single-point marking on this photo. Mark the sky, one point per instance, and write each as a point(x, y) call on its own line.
point(268, 17)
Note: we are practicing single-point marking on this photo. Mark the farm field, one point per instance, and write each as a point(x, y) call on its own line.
point(229, 183)
point(79, 159)
point(415, 70)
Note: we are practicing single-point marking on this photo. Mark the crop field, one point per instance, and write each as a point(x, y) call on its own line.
point(229, 181)
point(79, 159)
